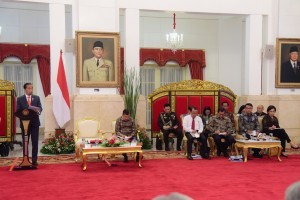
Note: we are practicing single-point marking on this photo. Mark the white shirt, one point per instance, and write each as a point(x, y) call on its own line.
point(294, 63)
point(187, 123)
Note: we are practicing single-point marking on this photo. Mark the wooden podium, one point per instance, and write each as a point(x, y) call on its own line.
point(25, 116)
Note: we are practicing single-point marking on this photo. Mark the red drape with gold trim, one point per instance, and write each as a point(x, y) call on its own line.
point(27, 52)
point(194, 58)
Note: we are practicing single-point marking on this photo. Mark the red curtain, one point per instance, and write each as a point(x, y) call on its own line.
point(196, 70)
point(27, 52)
point(196, 58)
point(44, 70)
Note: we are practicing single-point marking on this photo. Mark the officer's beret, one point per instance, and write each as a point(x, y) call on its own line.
point(98, 44)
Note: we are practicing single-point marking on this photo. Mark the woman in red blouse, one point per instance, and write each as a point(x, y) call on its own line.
point(271, 125)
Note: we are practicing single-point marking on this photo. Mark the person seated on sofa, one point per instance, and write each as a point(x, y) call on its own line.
point(248, 125)
point(242, 110)
point(193, 127)
point(206, 115)
point(125, 127)
point(221, 127)
point(260, 111)
point(271, 125)
point(168, 123)
point(228, 114)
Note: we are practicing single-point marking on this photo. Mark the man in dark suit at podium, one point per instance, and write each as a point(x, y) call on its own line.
point(30, 101)
point(290, 70)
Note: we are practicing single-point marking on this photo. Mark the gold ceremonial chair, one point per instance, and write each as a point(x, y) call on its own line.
point(87, 128)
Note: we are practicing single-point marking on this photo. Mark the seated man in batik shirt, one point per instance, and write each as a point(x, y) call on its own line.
point(125, 126)
point(248, 125)
point(221, 127)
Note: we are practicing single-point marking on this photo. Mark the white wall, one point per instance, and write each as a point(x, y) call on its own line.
point(289, 27)
point(231, 45)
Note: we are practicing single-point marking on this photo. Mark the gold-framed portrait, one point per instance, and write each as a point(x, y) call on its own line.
point(98, 59)
point(287, 63)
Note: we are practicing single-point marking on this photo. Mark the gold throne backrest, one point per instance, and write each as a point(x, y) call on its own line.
point(88, 128)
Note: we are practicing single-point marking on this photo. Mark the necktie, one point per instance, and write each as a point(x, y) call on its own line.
point(193, 124)
point(97, 62)
point(295, 67)
point(28, 100)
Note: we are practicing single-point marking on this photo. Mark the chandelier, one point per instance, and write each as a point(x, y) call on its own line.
point(174, 40)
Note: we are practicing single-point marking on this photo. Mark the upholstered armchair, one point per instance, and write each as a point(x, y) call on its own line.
point(87, 128)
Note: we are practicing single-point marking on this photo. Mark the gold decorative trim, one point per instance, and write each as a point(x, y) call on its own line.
point(9, 117)
point(194, 93)
point(216, 104)
point(192, 85)
point(173, 103)
point(158, 96)
point(6, 85)
point(227, 95)
point(2, 92)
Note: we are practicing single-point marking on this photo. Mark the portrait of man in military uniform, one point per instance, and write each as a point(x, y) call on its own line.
point(97, 68)
point(98, 59)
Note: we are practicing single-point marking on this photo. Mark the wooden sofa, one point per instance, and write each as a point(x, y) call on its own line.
point(186, 93)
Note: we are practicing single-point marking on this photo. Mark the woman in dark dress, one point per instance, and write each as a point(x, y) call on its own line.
point(206, 115)
point(271, 125)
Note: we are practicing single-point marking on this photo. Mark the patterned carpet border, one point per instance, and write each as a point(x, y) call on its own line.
point(69, 158)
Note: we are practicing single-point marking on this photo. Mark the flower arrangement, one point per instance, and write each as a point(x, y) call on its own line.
point(112, 142)
point(143, 137)
point(62, 144)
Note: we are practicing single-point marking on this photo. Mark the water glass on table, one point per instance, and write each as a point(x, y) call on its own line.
point(271, 136)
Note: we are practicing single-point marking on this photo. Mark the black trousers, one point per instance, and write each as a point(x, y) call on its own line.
point(33, 132)
point(177, 132)
point(282, 135)
point(255, 150)
point(203, 146)
point(222, 146)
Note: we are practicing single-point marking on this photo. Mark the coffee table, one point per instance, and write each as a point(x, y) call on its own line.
point(103, 151)
point(245, 144)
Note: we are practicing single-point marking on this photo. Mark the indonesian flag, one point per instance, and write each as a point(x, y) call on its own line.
point(61, 99)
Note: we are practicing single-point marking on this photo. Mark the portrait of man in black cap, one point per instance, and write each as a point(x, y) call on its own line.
point(98, 69)
point(290, 70)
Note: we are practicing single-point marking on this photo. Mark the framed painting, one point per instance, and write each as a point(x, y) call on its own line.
point(287, 63)
point(98, 59)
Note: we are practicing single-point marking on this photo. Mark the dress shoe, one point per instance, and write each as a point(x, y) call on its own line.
point(179, 149)
point(256, 155)
point(226, 155)
point(35, 164)
point(168, 149)
point(206, 157)
point(190, 157)
point(283, 155)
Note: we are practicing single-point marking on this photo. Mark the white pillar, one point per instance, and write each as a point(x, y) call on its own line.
point(253, 49)
point(57, 37)
point(132, 38)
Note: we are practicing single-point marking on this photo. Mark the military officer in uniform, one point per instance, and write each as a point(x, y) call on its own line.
point(97, 68)
point(168, 123)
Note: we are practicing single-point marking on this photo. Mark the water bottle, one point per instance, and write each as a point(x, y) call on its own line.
point(133, 142)
point(83, 142)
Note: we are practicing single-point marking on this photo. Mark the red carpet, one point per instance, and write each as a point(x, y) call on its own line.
point(201, 179)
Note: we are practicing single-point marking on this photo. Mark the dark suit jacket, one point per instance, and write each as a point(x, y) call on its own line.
point(288, 74)
point(23, 104)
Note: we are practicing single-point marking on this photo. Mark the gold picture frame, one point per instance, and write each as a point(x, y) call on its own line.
point(88, 71)
point(287, 76)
